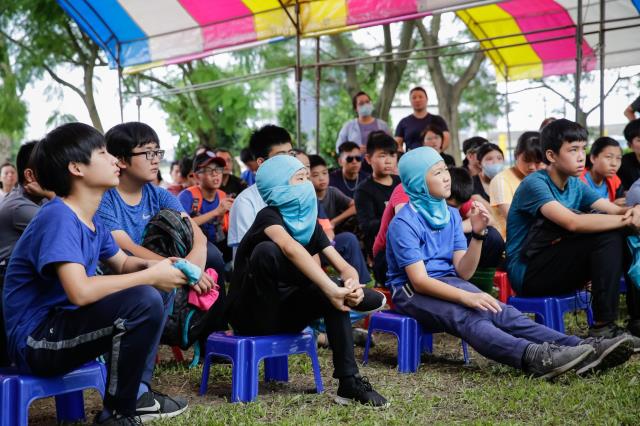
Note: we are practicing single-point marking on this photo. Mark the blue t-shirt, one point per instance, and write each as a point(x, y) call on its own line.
point(120, 216)
point(209, 228)
point(248, 176)
point(410, 239)
point(535, 191)
point(31, 286)
point(601, 189)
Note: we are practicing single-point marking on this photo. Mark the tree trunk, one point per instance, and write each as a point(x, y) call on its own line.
point(88, 98)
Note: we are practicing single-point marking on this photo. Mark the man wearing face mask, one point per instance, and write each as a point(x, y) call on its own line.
point(358, 129)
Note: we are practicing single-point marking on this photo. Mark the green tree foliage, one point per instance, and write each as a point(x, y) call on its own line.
point(13, 111)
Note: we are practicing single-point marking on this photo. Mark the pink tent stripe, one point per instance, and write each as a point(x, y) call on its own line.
point(363, 11)
point(220, 24)
point(558, 56)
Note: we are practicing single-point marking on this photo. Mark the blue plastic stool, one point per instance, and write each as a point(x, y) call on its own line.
point(18, 391)
point(623, 286)
point(412, 339)
point(246, 352)
point(550, 310)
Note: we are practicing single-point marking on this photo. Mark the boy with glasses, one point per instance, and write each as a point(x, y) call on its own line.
point(350, 173)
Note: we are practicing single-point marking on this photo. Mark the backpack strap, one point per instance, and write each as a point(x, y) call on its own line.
point(225, 219)
point(196, 204)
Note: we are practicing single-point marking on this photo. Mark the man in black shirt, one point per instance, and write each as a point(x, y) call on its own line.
point(372, 194)
point(410, 128)
point(629, 170)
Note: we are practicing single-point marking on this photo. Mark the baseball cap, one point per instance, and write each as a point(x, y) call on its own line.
point(205, 158)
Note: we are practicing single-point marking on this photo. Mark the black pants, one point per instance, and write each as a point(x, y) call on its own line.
point(126, 325)
point(277, 298)
point(569, 264)
point(380, 267)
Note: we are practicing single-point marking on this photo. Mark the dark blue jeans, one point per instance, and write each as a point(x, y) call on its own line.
point(502, 337)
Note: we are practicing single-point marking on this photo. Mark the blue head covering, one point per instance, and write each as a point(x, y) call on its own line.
point(413, 167)
point(297, 203)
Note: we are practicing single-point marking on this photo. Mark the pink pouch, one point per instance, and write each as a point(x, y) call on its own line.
point(205, 301)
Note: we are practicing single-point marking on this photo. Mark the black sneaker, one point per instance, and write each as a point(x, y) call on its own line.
point(154, 405)
point(608, 353)
point(373, 301)
point(612, 330)
point(358, 389)
point(549, 360)
point(117, 420)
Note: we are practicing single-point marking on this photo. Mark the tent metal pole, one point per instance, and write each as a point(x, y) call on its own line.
point(120, 84)
point(138, 98)
point(578, 60)
point(298, 77)
point(601, 41)
point(318, 71)
point(508, 106)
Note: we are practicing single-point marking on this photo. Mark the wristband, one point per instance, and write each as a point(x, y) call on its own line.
point(480, 237)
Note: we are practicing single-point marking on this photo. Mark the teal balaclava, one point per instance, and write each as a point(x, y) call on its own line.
point(413, 167)
point(297, 203)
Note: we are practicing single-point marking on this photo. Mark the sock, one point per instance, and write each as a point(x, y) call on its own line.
point(142, 389)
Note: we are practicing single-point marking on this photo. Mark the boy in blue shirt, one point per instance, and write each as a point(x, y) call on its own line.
point(58, 314)
point(429, 265)
point(554, 249)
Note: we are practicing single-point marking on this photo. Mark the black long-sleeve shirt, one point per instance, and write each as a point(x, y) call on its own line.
point(371, 198)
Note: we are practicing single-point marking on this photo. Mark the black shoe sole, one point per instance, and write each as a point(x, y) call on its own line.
point(612, 357)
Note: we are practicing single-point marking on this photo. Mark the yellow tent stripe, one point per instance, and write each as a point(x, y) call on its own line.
point(323, 15)
point(270, 19)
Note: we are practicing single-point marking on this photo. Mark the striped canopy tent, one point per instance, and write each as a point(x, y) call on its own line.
point(523, 38)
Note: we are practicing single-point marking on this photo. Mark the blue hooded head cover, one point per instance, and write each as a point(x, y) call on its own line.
point(297, 203)
point(413, 167)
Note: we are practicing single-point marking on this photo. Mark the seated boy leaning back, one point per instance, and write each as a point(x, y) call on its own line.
point(59, 314)
point(429, 264)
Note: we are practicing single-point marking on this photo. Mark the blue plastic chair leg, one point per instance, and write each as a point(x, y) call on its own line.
point(367, 345)
point(409, 352)
point(313, 353)
point(427, 342)
point(276, 369)
point(205, 373)
point(70, 407)
point(465, 352)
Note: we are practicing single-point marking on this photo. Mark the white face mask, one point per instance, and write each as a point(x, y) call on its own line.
point(365, 110)
point(491, 170)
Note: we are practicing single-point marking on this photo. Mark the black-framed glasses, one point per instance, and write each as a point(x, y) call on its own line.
point(352, 158)
point(210, 171)
point(150, 154)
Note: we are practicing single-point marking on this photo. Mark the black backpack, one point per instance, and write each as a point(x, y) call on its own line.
point(170, 234)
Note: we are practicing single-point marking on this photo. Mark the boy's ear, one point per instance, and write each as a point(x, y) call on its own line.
point(29, 176)
point(122, 163)
point(551, 156)
point(368, 158)
point(75, 169)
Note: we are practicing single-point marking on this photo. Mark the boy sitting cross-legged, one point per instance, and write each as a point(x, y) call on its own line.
point(430, 263)
point(58, 313)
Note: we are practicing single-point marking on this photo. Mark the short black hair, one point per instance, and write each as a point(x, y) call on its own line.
point(632, 130)
point(347, 146)
point(380, 140)
point(354, 100)
point(554, 134)
point(7, 164)
point(432, 127)
point(529, 146)
point(473, 143)
point(186, 166)
point(174, 163)
point(24, 160)
point(265, 137)
point(419, 89)
point(316, 160)
point(246, 155)
point(461, 184)
point(487, 148)
point(123, 138)
point(71, 142)
point(601, 143)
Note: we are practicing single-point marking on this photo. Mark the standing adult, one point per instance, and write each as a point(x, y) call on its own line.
point(409, 129)
point(358, 129)
point(8, 178)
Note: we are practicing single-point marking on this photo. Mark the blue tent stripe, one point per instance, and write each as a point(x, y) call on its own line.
point(636, 3)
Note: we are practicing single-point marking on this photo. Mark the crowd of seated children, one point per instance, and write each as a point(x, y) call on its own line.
point(349, 175)
point(231, 184)
point(430, 263)
point(433, 136)
point(8, 179)
point(629, 171)
point(206, 203)
point(469, 149)
point(601, 170)
point(248, 159)
point(59, 314)
point(491, 160)
point(409, 129)
point(372, 194)
point(278, 285)
point(358, 129)
point(460, 198)
point(528, 155)
point(555, 245)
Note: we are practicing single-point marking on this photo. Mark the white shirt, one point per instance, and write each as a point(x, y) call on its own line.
point(243, 212)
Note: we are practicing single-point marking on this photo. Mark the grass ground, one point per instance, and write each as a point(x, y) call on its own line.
point(443, 391)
